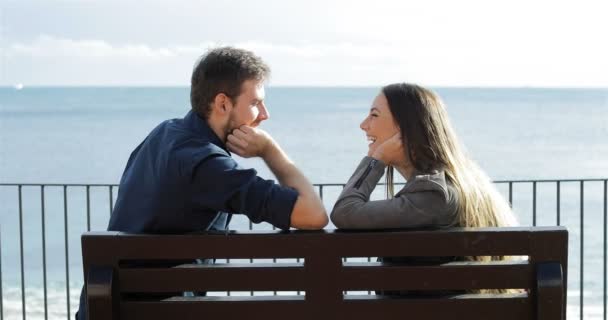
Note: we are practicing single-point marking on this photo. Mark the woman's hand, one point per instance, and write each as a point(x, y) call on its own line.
point(390, 152)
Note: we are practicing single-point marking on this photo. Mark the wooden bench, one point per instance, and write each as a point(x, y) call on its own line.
point(124, 277)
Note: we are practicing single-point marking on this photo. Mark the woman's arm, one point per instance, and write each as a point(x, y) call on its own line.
point(424, 206)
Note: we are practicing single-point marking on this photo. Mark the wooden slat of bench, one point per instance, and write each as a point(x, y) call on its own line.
point(499, 307)
point(449, 276)
point(495, 307)
point(183, 308)
point(218, 277)
point(461, 242)
point(454, 242)
point(353, 276)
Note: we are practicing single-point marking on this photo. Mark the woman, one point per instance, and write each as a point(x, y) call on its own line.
point(409, 130)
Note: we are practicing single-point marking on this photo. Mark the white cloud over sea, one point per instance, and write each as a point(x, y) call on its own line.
point(465, 43)
point(62, 61)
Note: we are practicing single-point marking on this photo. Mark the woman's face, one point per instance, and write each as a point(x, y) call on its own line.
point(379, 124)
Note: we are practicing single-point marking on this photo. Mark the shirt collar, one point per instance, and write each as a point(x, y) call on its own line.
point(437, 176)
point(202, 128)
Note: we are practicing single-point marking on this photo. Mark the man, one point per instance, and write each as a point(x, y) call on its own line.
point(182, 177)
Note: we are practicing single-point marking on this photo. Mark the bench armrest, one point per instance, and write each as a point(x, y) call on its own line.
point(550, 291)
point(100, 299)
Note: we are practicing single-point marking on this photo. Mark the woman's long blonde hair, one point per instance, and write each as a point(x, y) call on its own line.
point(433, 145)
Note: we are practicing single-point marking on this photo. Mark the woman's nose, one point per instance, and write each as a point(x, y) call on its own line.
point(363, 125)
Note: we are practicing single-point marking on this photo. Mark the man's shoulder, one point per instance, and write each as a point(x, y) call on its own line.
point(205, 149)
point(192, 153)
point(177, 143)
point(183, 141)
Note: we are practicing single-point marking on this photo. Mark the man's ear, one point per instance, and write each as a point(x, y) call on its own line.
point(221, 104)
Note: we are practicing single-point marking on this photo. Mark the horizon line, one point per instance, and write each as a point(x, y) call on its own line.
point(45, 86)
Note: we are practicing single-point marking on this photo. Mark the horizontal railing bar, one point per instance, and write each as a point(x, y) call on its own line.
point(5, 184)
point(552, 180)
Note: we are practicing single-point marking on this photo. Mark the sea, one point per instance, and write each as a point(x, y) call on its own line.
point(84, 135)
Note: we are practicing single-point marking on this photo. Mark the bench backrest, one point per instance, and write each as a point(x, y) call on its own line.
point(126, 277)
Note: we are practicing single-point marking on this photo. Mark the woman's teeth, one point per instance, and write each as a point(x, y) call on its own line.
point(371, 140)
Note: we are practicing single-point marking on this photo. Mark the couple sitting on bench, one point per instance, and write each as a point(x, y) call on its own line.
point(182, 177)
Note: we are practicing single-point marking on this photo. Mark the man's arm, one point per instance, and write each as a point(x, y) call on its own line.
point(308, 211)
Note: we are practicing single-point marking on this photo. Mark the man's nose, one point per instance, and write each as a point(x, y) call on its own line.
point(264, 114)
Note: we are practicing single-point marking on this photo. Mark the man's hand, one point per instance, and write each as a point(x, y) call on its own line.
point(391, 151)
point(308, 211)
point(249, 142)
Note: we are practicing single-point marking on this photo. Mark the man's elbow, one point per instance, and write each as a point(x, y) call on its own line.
point(309, 216)
point(313, 221)
point(322, 221)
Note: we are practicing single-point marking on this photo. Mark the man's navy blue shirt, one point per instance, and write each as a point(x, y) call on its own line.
point(182, 178)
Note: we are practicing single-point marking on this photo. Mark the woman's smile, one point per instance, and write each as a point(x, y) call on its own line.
point(371, 140)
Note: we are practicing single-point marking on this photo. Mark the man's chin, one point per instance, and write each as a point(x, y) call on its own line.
point(252, 125)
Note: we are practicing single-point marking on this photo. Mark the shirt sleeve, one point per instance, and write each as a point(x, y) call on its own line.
point(222, 185)
point(354, 210)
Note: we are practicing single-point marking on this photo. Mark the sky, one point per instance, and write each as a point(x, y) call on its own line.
point(485, 43)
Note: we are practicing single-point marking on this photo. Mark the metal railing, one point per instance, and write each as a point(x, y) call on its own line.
point(19, 201)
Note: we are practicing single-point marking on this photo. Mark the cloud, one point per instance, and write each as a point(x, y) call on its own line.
point(46, 46)
point(56, 60)
point(49, 46)
point(61, 60)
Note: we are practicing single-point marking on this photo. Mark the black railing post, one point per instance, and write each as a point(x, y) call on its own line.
point(558, 204)
point(67, 255)
point(534, 203)
point(582, 193)
point(605, 238)
point(42, 214)
point(1, 282)
point(111, 200)
point(511, 193)
point(21, 252)
point(89, 208)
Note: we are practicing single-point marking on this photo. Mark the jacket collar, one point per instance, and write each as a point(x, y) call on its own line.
point(202, 128)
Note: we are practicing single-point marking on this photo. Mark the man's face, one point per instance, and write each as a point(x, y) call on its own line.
point(249, 108)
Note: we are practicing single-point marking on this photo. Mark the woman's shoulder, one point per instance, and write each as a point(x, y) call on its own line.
point(435, 193)
point(431, 181)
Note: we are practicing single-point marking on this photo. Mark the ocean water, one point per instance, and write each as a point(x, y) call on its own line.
point(85, 135)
